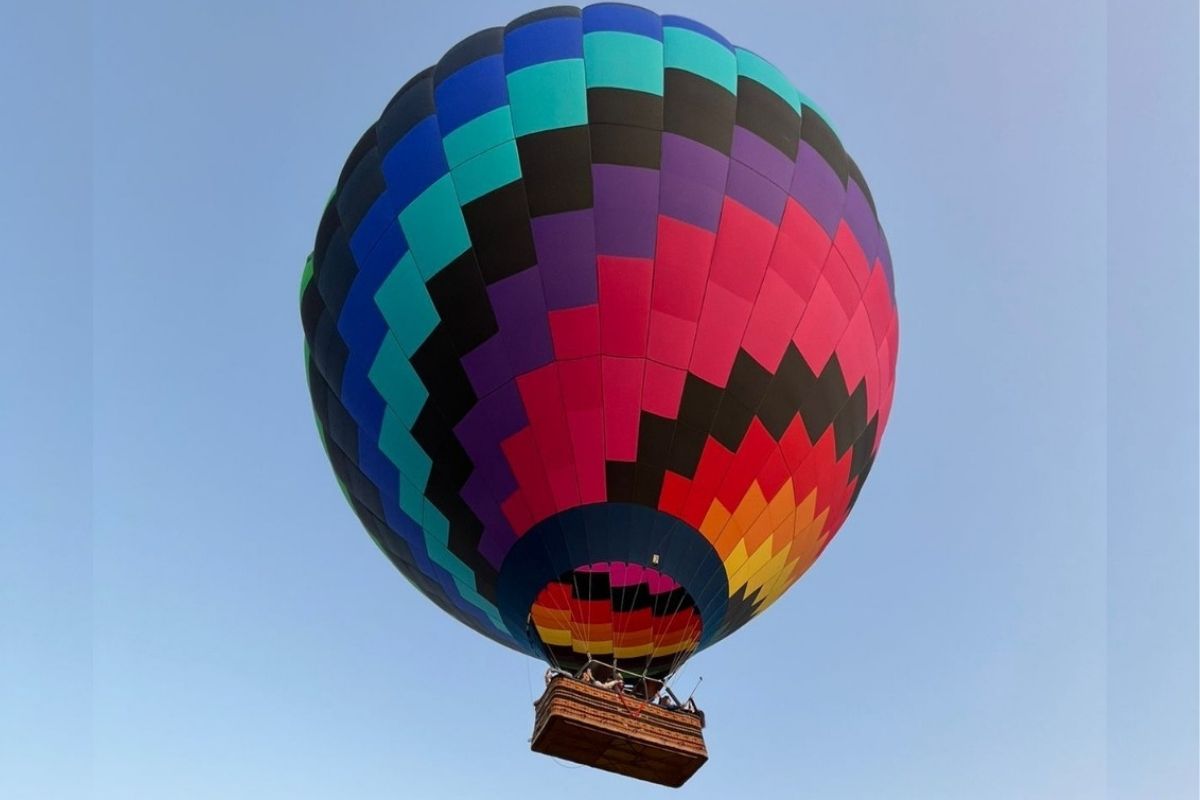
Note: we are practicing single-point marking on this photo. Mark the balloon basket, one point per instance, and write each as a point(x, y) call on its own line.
point(609, 730)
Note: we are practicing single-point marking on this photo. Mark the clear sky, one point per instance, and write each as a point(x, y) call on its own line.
point(190, 610)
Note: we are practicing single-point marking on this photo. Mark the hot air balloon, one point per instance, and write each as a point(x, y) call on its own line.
point(601, 335)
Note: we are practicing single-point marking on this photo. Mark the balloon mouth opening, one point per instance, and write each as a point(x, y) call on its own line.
point(633, 616)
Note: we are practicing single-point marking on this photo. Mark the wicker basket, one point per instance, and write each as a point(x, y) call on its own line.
point(605, 729)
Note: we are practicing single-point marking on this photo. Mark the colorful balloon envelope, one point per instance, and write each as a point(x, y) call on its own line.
point(601, 334)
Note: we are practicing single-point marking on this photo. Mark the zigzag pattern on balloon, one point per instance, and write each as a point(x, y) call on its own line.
point(593, 262)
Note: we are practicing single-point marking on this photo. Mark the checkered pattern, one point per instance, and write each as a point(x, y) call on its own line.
point(619, 612)
point(600, 288)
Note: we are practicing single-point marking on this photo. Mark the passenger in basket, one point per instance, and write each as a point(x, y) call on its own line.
point(589, 677)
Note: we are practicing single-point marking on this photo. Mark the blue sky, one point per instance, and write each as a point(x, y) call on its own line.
point(190, 610)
